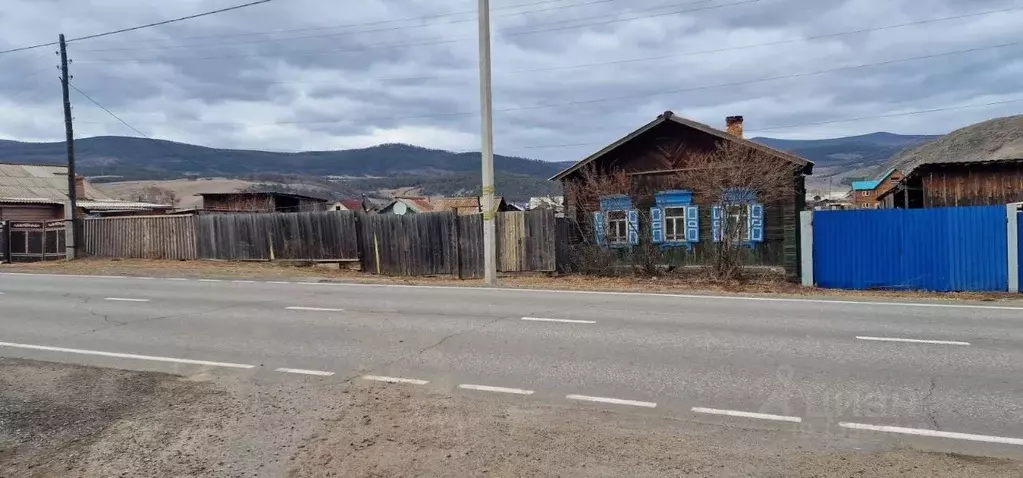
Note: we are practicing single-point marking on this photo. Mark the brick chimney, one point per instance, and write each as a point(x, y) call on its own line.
point(733, 125)
point(79, 187)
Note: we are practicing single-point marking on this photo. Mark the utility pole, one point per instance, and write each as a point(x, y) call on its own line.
point(71, 229)
point(486, 107)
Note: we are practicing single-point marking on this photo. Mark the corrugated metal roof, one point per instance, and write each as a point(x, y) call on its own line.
point(46, 184)
point(120, 205)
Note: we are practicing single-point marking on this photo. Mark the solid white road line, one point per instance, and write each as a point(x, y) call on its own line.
point(122, 299)
point(315, 309)
point(913, 341)
point(616, 401)
point(933, 433)
point(736, 413)
point(305, 372)
point(127, 356)
point(566, 321)
point(487, 388)
point(595, 292)
point(380, 378)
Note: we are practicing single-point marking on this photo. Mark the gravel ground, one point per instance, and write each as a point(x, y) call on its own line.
point(66, 420)
point(290, 271)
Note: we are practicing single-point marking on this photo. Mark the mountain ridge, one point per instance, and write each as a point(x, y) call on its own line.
point(837, 161)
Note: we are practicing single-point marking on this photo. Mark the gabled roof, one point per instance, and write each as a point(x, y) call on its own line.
point(670, 116)
point(40, 184)
point(872, 184)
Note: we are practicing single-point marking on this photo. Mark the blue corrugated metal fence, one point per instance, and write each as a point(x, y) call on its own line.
point(942, 249)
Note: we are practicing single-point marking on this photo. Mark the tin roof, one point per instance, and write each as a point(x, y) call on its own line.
point(25, 183)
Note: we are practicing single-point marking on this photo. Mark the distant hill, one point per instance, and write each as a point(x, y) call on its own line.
point(842, 160)
point(138, 158)
point(399, 165)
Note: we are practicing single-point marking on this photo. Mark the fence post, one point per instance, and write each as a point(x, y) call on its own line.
point(806, 246)
point(1012, 231)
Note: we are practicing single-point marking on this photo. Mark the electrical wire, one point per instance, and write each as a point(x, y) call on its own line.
point(675, 55)
point(430, 41)
point(136, 130)
point(377, 22)
point(815, 123)
point(148, 25)
point(358, 32)
point(663, 91)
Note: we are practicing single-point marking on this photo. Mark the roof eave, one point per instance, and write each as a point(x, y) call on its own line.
point(589, 159)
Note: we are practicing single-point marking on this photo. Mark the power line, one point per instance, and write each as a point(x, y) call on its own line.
point(815, 123)
point(377, 22)
point(148, 25)
point(665, 91)
point(136, 130)
point(358, 32)
point(682, 54)
point(441, 40)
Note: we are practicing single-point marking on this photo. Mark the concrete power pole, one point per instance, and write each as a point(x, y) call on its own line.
point(71, 229)
point(486, 107)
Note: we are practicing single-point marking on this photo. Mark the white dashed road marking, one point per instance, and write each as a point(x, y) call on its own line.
point(126, 356)
point(316, 309)
point(737, 413)
point(243, 282)
point(178, 279)
point(210, 280)
point(277, 282)
point(305, 372)
point(487, 388)
point(615, 401)
point(122, 299)
point(566, 321)
point(914, 341)
point(933, 433)
point(380, 378)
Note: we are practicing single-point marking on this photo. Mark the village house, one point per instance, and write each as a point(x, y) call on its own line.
point(866, 194)
point(677, 220)
point(977, 165)
point(260, 202)
point(40, 193)
point(463, 206)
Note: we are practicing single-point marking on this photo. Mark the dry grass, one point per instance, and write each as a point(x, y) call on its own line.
point(770, 286)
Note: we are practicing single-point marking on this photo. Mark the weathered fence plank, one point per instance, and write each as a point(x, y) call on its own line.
point(330, 235)
point(141, 237)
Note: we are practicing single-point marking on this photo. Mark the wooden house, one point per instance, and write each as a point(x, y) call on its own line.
point(678, 222)
point(261, 202)
point(866, 194)
point(978, 165)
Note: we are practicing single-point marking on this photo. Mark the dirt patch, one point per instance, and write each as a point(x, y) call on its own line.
point(65, 420)
point(770, 286)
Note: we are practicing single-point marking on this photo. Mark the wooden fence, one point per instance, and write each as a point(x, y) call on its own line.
point(408, 245)
point(140, 237)
point(328, 235)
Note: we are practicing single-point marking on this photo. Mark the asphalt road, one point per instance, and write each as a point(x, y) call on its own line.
point(839, 368)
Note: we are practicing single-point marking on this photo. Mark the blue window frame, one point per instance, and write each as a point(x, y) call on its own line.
point(617, 223)
point(741, 215)
point(674, 221)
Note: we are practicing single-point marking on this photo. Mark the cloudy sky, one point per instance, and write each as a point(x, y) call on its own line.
point(569, 75)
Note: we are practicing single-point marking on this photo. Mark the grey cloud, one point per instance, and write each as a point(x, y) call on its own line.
point(343, 86)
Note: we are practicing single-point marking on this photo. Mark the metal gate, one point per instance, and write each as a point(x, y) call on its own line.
point(941, 249)
point(34, 241)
